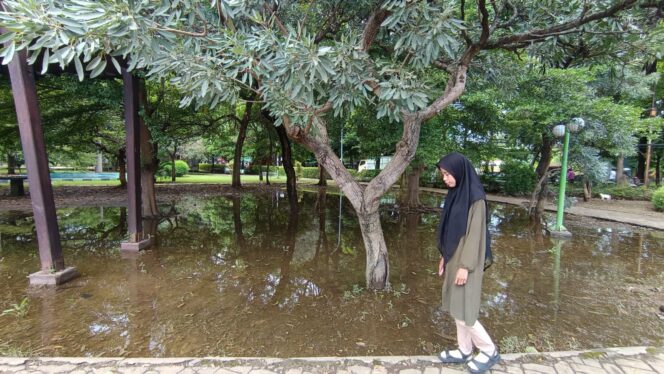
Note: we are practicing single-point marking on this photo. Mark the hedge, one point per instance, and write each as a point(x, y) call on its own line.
point(658, 199)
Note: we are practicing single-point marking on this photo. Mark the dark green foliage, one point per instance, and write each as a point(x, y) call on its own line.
point(658, 199)
point(519, 178)
point(493, 182)
point(204, 168)
point(181, 169)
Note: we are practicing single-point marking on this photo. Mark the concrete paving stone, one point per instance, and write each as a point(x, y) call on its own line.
point(576, 360)
point(612, 368)
point(294, 371)
point(241, 369)
point(513, 369)
point(262, 371)
point(581, 368)
point(431, 370)
point(656, 363)
point(592, 362)
point(357, 369)
point(104, 370)
point(563, 367)
point(538, 368)
point(225, 371)
point(7, 368)
point(14, 361)
point(343, 371)
point(206, 370)
point(379, 369)
point(630, 370)
point(166, 369)
point(78, 371)
point(632, 363)
point(410, 371)
point(62, 368)
point(446, 370)
point(132, 369)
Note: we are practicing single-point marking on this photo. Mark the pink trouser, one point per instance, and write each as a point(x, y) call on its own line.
point(475, 335)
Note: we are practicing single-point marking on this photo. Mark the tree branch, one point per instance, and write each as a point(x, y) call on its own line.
point(273, 14)
point(567, 27)
point(372, 27)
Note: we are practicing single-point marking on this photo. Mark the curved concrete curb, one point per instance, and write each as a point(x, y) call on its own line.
point(626, 360)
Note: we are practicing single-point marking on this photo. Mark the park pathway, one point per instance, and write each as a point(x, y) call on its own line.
point(629, 360)
point(653, 221)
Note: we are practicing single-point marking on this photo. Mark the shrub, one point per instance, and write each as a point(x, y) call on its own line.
point(298, 170)
point(658, 199)
point(204, 168)
point(181, 169)
point(493, 182)
point(519, 178)
point(310, 172)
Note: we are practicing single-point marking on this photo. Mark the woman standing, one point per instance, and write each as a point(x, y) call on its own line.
point(464, 244)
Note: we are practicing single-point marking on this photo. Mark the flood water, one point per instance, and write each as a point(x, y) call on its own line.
point(238, 276)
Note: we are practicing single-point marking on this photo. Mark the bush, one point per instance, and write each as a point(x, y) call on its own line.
point(519, 178)
point(624, 192)
point(310, 172)
point(298, 170)
point(658, 199)
point(204, 168)
point(493, 182)
point(181, 169)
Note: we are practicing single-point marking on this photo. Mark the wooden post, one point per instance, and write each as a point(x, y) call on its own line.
point(136, 240)
point(24, 90)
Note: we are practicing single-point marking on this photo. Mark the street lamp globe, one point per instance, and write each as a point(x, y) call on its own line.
point(559, 131)
point(576, 124)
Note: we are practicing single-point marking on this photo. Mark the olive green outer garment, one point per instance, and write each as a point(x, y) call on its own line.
point(463, 302)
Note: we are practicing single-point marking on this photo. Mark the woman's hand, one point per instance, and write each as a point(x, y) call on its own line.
point(461, 277)
point(441, 267)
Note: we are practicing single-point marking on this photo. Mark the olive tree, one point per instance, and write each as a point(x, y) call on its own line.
point(307, 60)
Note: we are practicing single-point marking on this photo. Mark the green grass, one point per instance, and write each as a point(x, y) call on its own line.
point(219, 178)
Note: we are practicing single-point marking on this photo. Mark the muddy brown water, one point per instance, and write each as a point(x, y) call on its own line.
point(239, 276)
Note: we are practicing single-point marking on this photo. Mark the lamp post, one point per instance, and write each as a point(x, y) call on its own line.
point(575, 125)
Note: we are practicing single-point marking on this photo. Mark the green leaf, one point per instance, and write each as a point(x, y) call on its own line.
point(9, 53)
point(45, 61)
point(79, 68)
point(99, 69)
point(4, 38)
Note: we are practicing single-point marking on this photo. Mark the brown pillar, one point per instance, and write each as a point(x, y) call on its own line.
point(136, 239)
point(53, 270)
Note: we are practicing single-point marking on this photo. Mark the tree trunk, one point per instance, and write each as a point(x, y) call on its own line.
point(11, 163)
point(173, 171)
point(587, 189)
point(377, 273)
point(237, 221)
point(620, 173)
point(122, 166)
point(641, 159)
point(658, 175)
point(541, 188)
point(287, 158)
point(646, 176)
point(239, 144)
point(322, 178)
point(149, 162)
point(412, 188)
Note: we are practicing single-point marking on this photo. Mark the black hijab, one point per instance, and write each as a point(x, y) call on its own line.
point(459, 199)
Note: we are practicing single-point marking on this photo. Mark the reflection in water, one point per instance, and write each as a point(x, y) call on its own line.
point(243, 276)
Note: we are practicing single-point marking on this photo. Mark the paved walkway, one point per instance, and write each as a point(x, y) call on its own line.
point(630, 360)
point(609, 215)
